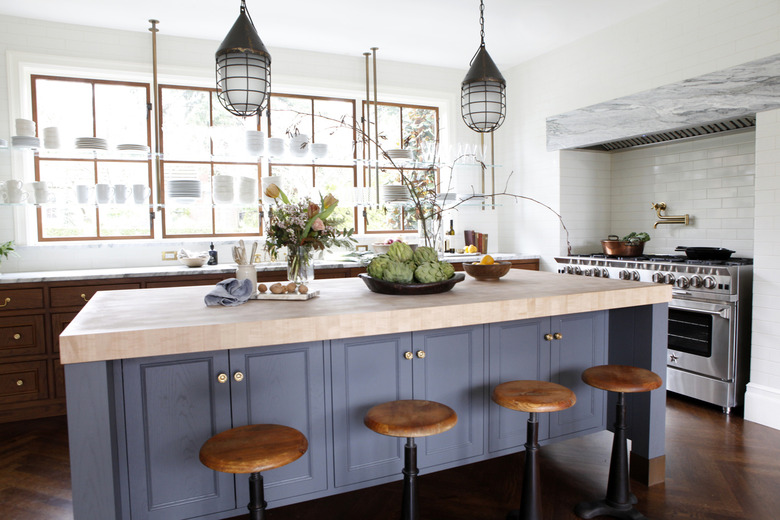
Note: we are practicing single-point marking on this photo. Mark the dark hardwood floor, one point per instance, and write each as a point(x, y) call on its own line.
point(718, 467)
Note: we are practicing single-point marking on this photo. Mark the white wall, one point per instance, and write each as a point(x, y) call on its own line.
point(677, 40)
point(59, 48)
point(762, 399)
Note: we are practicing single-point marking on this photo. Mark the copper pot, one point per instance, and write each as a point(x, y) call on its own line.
point(613, 246)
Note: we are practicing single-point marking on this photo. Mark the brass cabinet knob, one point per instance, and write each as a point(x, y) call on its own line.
point(84, 297)
point(421, 354)
point(17, 336)
point(6, 302)
point(557, 335)
point(238, 376)
point(408, 355)
point(222, 377)
point(548, 337)
point(19, 382)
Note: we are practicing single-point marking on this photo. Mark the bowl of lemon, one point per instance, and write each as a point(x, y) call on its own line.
point(487, 269)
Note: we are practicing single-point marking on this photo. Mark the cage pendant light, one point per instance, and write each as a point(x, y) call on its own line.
point(243, 68)
point(483, 91)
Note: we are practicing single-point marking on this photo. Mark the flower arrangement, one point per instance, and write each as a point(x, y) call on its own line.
point(6, 250)
point(300, 227)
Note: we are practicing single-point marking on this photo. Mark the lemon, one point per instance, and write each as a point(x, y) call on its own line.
point(487, 260)
point(471, 248)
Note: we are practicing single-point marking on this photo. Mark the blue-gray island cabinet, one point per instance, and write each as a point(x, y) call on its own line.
point(151, 374)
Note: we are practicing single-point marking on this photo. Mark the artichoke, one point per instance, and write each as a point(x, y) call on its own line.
point(398, 272)
point(423, 255)
point(429, 272)
point(400, 252)
point(377, 266)
point(447, 270)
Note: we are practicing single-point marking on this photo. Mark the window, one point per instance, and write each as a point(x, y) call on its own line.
point(323, 120)
point(402, 126)
point(80, 108)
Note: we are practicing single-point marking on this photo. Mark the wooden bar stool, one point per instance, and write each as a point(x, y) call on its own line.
point(252, 449)
point(410, 419)
point(532, 397)
point(621, 379)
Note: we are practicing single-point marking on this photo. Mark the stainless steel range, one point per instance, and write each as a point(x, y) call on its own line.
point(709, 318)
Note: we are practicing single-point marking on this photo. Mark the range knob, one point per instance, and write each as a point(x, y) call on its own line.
point(635, 275)
point(600, 273)
point(658, 277)
point(569, 269)
point(577, 269)
point(624, 275)
point(605, 273)
point(587, 272)
point(709, 282)
point(669, 279)
point(682, 282)
point(696, 281)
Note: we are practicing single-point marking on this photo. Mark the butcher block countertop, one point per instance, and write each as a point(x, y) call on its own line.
point(149, 322)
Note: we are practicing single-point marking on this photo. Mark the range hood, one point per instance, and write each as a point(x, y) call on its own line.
point(726, 125)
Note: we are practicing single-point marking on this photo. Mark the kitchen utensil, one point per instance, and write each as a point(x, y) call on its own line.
point(254, 251)
point(487, 272)
point(613, 246)
point(706, 253)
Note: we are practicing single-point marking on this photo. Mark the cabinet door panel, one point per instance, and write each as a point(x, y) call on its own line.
point(367, 372)
point(583, 345)
point(284, 385)
point(452, 373)
point(174, 405)
point(517, 352)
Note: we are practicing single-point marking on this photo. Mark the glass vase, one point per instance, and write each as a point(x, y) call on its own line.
point(300, 267)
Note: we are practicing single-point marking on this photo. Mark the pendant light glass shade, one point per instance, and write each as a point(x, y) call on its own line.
point(483, 91)
point(243, 69)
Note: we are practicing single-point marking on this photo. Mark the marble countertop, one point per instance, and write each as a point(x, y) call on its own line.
point(150, 322)
point(178, 269)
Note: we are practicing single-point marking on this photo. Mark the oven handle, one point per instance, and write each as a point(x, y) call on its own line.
point(724, 313)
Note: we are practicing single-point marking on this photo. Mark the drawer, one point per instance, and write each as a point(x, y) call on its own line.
point(78, 295)
point(186, 283)
point(22, 336)
point(23, 381)
point(19, 299)
point(59, 321)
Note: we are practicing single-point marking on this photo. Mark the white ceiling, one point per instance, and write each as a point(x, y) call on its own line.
point(433, 32)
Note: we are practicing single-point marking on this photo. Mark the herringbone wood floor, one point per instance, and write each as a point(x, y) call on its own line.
point(718, 468)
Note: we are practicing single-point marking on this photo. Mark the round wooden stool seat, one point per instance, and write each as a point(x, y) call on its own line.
point(533, 396)
point(622, 378)
point(410, 418)
point(253, 448)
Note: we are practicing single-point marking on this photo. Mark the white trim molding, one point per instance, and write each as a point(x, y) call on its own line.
point(762, 405)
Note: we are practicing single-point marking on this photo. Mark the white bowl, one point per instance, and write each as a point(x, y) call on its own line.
point(193, 262)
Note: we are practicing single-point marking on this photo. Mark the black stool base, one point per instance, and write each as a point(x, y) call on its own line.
point(257, 502)
point(409, 508)
point(602, 508)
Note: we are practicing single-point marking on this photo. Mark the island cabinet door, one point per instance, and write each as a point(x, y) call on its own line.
point(582, 344)
point(448, 367)
point(283, 385)
point(367, 372)
point(517, 351)
point(173, 404)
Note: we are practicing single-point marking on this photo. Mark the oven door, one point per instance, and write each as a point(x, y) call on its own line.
point(701, 337)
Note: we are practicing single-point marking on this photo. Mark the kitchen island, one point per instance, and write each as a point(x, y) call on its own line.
point(152, 373)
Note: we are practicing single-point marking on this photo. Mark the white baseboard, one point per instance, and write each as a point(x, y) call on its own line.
point(762, 405)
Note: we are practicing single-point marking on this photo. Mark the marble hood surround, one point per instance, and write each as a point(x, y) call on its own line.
point(731, 93)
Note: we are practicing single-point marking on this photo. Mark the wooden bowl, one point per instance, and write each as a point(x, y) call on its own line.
point(487, 272)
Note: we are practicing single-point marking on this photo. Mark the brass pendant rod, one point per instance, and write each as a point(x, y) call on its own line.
point(367, 118)
point(155, 96)
point(482, 169)
point(376, 124)
point(493, 170)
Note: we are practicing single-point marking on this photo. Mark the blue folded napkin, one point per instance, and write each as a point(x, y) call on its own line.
point(230, 292)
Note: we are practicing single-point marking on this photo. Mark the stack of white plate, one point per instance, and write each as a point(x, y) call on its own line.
point(128, 147)
point(24, 141)
point(394, 193)
point(25, 127)
point(183, 190)
point(51, 138)
point(398, 154)
point(91, 143)
point(255, 142)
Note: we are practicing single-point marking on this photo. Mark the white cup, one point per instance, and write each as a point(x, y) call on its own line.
point(103, 193)
point(82, 193)
point(13, 184)
point(15, 195)
point(275, 146)
point(255, 142)
point(299, 145)
point(141, 193)
point(222, 188)
point(247, 190)
point(41, 192)
point(121, 193)
point(319, 150)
